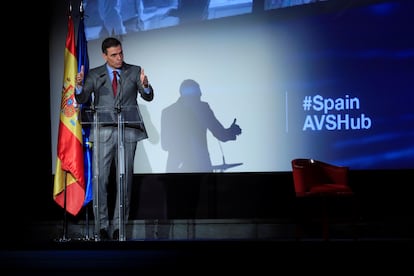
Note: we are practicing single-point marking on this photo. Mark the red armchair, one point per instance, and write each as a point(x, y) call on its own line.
point(317, 183)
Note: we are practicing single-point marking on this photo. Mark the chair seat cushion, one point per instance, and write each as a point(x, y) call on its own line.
point(327, 189)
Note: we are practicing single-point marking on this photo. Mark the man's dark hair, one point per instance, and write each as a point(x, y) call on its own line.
point(108, 43)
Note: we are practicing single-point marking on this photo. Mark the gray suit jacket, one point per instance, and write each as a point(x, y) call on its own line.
point(98, 84)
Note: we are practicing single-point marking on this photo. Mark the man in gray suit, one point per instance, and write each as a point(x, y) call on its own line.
point(112, 88)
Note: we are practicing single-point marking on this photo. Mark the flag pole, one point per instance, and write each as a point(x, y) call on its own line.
point(87, 222)
point(69, 190)
point(65, 216)
point(65, 213)
point(83, 60)
point(83, 133)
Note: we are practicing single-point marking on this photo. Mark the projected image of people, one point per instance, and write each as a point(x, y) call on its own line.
point(184, 126)
point(121, 17)
point(190, 11)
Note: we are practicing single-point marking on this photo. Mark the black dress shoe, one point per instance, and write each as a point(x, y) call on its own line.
point(115, 235)
point(103, 235)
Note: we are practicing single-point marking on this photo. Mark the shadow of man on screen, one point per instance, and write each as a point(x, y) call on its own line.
point(184, 126)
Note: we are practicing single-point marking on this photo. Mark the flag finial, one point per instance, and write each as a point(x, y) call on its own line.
point(81, 9)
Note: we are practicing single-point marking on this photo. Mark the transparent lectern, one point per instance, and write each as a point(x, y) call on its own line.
point(97, 118)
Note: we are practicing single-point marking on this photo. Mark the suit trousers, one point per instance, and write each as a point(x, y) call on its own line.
point(107, 153)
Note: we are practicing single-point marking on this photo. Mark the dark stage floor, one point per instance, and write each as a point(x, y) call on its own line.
point(209, 256)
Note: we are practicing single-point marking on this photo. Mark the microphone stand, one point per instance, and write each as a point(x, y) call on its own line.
point(95, 166)
point(121, 163)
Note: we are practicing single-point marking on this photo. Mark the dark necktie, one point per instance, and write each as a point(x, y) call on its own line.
point(114, 82)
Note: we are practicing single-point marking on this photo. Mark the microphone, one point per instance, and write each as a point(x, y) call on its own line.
point(118, 104)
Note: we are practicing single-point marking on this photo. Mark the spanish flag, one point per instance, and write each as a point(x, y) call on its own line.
point(69, 182)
